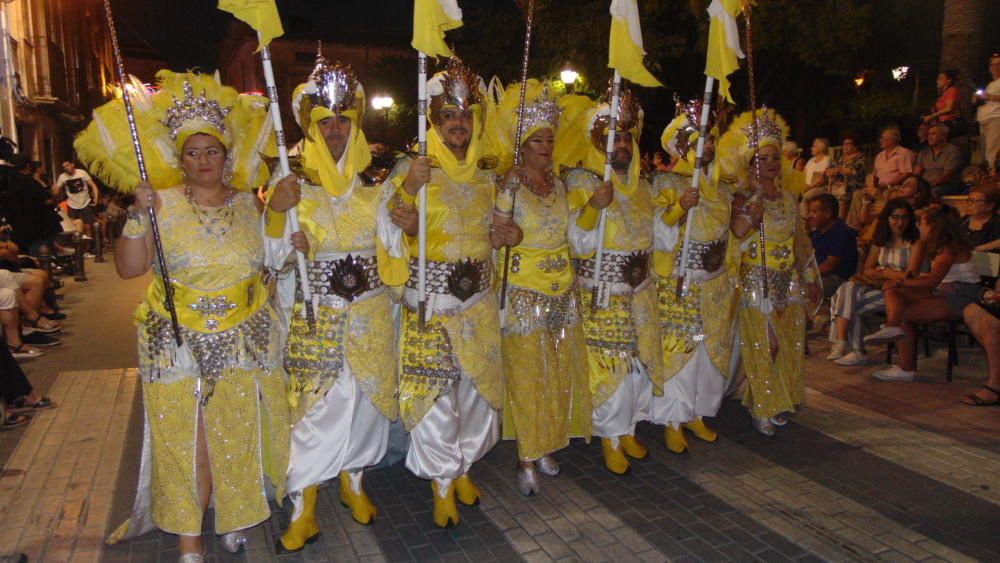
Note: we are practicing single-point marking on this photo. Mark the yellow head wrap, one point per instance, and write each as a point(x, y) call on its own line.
point(335, 177)
point(457, 87)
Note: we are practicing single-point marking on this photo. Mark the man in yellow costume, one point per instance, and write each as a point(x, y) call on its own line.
point(696, 324)
point(450, 385)
point(342, 369)
point(623, 342)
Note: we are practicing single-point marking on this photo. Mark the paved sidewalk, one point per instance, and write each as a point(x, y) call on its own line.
point(869, 471)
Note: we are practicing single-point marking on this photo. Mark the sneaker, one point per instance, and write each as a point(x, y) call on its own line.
point(852, 358)
point(838, 350)
point(895, 373)
point(39, 339)
point(885, 335)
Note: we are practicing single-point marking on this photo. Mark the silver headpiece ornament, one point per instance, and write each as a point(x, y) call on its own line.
point(766, 128)
point(332, 86)
point(543, 110)
point(458, 86)
point(629, 117)
point(691, 112)
point(192, 108)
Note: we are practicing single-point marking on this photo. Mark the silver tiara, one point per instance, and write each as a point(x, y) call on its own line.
point(766, 128)
point(191, 108)
point(543, 109)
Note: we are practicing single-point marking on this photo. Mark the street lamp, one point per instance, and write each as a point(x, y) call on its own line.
point(569, 77)
point(383, 103)
point(900, 73)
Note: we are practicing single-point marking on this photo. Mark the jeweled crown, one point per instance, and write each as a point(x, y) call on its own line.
point(331, 86)
point(461, 87)
point(629, 115)
point(542, 110)
point(191, 108)
point(766, 127)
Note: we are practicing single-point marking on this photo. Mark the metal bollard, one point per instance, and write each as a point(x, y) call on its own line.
point(81, 275)
point(99, 243)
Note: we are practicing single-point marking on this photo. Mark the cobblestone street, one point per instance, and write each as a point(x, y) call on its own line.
point(868, 471)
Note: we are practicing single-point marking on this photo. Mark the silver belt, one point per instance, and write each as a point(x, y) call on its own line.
point(705, 256)
point(461, 279)
point(348, 277)
point(619, 268)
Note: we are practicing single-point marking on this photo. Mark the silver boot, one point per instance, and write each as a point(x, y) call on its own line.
point(191, 558)
point(234, 541)
point(764, 426)
point(547, 466)
point(527, 481)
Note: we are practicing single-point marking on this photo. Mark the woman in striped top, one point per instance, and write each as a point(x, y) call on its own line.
point(895, 235)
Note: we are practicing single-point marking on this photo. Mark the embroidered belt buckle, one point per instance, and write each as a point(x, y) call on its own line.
point(635, 268)
point(349, 278)
point(465, 279)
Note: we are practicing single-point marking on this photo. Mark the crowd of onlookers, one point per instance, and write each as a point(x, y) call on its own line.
point(891, 244)
point(41, 223)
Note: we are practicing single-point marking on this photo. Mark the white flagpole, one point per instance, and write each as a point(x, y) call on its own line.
point(602, 295)
point(695, 181)
point(293, 216)
point(422, 203)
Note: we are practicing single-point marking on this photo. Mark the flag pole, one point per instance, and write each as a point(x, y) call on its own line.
point(168, 290)
point(706, 103)
point(286, 169)
point(517, 151)
point(754, 145)
point(422, 194)
point(601, 293)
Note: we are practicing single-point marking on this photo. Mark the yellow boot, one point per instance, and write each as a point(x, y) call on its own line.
point(632, 447)
point(302, 530)
point(445, 511)
point(353, 496)
point(614, 459)
point(467, 492)
point(701, 431)
point(674, 437)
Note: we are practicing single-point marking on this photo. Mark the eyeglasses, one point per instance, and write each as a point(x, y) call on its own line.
point(902, 217)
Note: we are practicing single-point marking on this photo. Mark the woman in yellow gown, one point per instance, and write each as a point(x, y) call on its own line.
point(545, 376)
point(216, 424)
point(774, 294)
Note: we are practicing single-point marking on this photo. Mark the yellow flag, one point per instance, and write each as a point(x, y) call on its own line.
point(262, 15)
point(625, 50)
point(723, 43)
point(431, 18)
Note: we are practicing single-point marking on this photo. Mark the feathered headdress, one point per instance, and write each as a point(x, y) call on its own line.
point(186, 104)
point(739, 144)
point(540, 112)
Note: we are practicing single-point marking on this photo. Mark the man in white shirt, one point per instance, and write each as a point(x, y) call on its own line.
point(81, 195)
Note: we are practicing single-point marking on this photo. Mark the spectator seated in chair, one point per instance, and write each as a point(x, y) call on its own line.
point(940, 163)
point(983, 320)
point(981, 226)
point(938, 295)
point(846, 175)
point(834, 243)
point(892, 166)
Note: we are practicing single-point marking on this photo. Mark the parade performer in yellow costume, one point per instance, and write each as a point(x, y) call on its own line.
point(216, 417)
point(450, 388)
point(695, 327)
point(342, 369)
point(774, 296)
point(545, 373)
point(623, 340)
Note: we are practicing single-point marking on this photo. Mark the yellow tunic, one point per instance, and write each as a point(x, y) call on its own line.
point(626, 331)
point(774, 385)
point(246, 416)
point(705, 313)
point(358, 332)
point(548, 395)
point(459, 338)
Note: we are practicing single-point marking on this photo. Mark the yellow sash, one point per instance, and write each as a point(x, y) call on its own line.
point(209, 311)
point(546, 270)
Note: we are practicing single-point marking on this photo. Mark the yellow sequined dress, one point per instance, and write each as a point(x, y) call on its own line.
point(703, 315)
point(548, 395)
point(232, 378)
point(622, 337)
point(775, 385)
point(462, 334)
